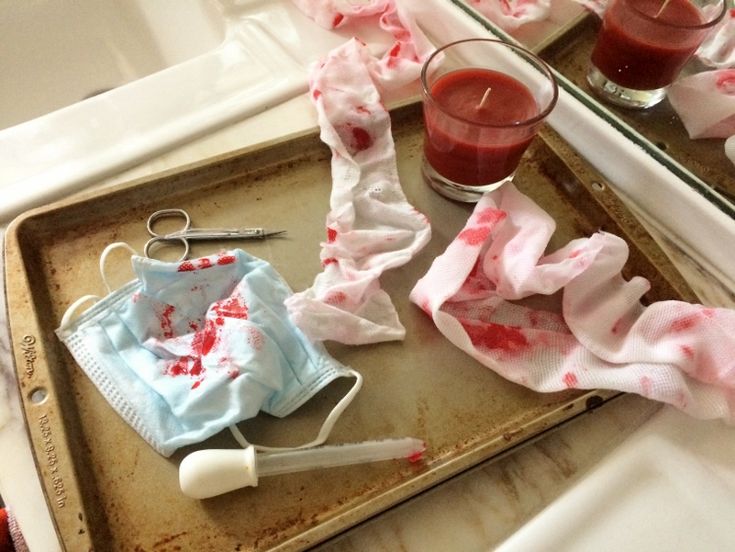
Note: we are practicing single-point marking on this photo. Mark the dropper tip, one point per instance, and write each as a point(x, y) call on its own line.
point(417, 455)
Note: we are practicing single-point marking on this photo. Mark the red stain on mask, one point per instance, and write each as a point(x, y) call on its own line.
point(226, 259)
point(206, 340)
point(166, 323)
point(255, 338)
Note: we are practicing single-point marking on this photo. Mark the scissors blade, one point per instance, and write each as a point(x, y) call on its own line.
point(224, 233)
point(269, 233)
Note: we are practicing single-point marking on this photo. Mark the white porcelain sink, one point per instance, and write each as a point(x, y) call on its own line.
point(92, 87)
point(55, 54)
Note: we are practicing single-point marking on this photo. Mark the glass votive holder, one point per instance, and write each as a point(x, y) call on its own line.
point(484, 101)
point(643, 45)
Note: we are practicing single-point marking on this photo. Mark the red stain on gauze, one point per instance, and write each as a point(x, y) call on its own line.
point(393, 56)
point(489, 336)
point(186, 266)
point(685, 323)
point(570, 380)
point(337, 19)
point(331, 235)
point(616, 326)
point(361, 139)
point(475, 235)
point(645, 386)
point(490, 216)
point(687, 350)
point(335, 298)
point(726, 81)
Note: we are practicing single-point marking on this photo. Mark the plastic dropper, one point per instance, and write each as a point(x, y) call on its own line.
point(208, 473)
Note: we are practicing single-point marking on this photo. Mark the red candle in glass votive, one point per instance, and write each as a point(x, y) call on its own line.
point(475, 154)
point(643, 45)
point(484, 101)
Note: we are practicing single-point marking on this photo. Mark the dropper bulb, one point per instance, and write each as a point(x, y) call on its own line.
point(208, 473)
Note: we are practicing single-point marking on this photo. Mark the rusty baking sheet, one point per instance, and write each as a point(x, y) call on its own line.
point(570, 55)
point(107, 489)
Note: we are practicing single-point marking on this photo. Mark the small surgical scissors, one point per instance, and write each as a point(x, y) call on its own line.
point(187, 233)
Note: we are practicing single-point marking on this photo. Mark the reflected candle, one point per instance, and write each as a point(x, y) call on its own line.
point(480, 118)
point(644, 44)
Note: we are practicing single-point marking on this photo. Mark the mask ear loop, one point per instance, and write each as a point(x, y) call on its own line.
point(103, 260)
point(324, 431)
point(71, 311)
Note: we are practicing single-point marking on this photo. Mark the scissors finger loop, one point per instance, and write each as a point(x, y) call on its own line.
point(168, 213)
point(163, 240)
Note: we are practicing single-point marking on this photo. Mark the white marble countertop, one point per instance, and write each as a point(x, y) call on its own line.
point(476, 510)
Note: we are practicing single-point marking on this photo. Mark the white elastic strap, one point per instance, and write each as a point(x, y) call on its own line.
point(103, 259)
point(72, 309)
point(324, 431)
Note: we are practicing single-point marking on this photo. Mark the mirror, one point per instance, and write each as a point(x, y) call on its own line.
point(566, 44)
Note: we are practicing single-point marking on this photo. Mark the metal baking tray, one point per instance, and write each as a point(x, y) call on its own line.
point(107, 489)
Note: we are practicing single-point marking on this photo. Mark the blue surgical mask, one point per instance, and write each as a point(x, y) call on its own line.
point(190, 348)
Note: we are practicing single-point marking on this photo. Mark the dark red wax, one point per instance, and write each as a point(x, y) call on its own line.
point(646, 53)
point(477, 146)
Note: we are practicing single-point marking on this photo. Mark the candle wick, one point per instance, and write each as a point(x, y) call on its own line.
point(483, 101)
point(662, 8)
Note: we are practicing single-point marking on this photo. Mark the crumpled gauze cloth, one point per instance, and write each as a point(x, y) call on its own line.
point(604, 338)
point(718, 50)
point(705, 103)
point(511, 14)
point(371, 227)
point(595, 6)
